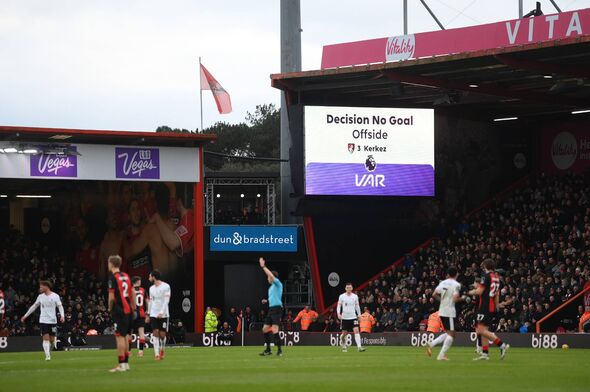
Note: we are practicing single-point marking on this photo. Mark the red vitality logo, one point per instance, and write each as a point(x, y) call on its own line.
point(401, 47)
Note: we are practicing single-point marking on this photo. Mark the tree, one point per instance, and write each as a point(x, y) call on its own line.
point(258, 136)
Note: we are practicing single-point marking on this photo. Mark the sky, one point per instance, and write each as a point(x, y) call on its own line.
point(133, 65)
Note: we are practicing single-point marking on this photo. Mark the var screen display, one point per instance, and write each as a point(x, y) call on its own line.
point(352, 151)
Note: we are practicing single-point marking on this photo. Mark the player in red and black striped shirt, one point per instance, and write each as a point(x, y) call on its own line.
point(122, 308)
point(488, 291)
point(139, 322)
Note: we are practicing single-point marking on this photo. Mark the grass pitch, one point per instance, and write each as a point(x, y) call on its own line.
point(317, 369)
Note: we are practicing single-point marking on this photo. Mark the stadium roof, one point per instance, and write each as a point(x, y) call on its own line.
point(527, 80)
point(65, 135)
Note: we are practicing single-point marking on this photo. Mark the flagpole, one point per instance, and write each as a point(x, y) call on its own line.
point(201, 94)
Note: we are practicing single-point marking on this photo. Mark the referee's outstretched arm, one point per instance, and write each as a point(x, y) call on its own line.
point(268, 273)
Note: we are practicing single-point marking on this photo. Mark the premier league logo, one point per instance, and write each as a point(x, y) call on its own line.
point(351, 147)
point(370, 163)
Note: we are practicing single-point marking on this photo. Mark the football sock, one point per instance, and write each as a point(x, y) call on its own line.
point(440, 339)
point(446, 346)
point(478, 341)
point(141, 344)
point(121, 359)
point(267, 341)
point(163, 343)
point(156, 347)
point(46, 347)
point(357, 339)
point(126, 357)
point(277, 340)
point(498, 342)
point(486, 349)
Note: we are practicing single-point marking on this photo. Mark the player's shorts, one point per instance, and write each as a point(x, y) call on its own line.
point(161, 324)
point(122, 324)
point(275, 313)
point(349, 325)
point(486, 319)
point(138, 323)
point(48, 329)
point(448, 323)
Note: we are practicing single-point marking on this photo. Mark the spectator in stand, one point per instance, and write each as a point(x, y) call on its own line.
point(330, 325)
point(249, 318)
point(178, 332)
point(306, 317)
point(233, 319)
point(225, 333)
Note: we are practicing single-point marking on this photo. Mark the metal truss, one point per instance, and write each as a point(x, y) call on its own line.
point(210, 184)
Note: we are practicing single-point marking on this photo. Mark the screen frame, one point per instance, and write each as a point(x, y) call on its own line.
point(370, 197)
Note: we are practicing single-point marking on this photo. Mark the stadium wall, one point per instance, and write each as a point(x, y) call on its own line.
point(408, 339)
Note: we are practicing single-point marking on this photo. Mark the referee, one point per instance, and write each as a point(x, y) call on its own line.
point(275, 310)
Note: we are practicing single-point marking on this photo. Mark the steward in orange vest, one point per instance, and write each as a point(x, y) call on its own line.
point(367, 321)
point(307, 317)
point(434, 323)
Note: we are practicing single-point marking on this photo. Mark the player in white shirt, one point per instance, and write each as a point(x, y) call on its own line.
point(448, 293)
point(349, 312)
point(158, 312)
point(49, 302)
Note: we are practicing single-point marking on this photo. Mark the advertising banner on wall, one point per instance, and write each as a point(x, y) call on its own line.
point(253, 238)
point(546, 341)
point(565, 148)
point(104, 162)
point(460, 40)
point(369, 151)
point(87, 221)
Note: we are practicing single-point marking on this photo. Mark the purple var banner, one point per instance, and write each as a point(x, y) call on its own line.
point(353, 179)
point(135, 162)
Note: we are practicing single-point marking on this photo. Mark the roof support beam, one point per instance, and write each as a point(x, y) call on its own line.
point(545, 68)
point(486, 90)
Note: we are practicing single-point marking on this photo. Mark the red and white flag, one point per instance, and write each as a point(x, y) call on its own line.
point(222, 99)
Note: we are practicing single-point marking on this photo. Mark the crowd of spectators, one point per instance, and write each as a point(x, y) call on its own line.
point(250, 215)
point(539, 238)
point(23, 263)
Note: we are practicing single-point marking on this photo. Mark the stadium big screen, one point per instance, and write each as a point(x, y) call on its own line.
point(359, 151)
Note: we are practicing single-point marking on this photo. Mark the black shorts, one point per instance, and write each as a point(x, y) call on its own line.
point(161, 324)
point(349, 325)
point(122, 324)
point(449, 323)
point(486, 319)
point(139, 322)
point(48, 329)
point(274, 315)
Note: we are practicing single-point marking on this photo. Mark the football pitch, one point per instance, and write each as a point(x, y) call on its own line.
point(316, 369)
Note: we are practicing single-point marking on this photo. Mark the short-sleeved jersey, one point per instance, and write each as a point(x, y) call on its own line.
point(159, 300)
point(140, 301)
point(185, 232)
point(2, 305)
point(491, 286)
point(348, 306)
point(275, 293)
point(447, 290)
point(48, 303)
point(120, 285)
